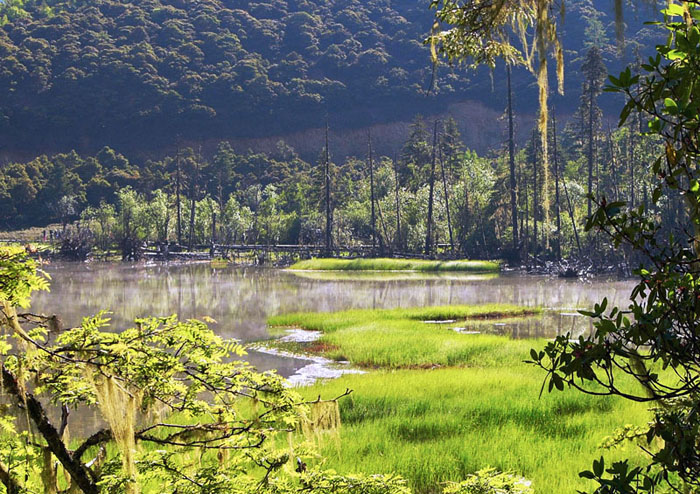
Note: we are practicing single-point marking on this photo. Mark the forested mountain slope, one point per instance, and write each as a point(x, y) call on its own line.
point(135, 75)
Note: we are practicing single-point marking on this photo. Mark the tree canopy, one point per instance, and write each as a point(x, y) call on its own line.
point(133, 75)
point(112, 70)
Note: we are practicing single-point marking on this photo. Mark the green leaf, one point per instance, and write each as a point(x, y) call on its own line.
point(673, 10)
point(599, 467)
point(671, 106)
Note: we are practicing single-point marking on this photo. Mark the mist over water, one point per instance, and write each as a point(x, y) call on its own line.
point(241, 299)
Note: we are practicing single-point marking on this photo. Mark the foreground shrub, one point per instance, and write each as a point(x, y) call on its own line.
point(180, 411)
point(490, 481)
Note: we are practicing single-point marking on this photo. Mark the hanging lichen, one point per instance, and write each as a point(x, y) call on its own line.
point(546, 35)
point(9, 316)
point(290, 444)
point(48, 473)
point(119, 408)
point(481, 31)
point(323, 420)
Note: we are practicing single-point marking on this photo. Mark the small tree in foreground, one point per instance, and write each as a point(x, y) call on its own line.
point(650, 352)
point(182, 414)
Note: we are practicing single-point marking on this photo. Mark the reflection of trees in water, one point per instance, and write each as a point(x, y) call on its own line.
point(550, 324)
point(241, 299)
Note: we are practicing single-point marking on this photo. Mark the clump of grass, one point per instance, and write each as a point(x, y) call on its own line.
point(331, 321)
point(219, 263)
point(399, 338)
point(480, 409)
point(441, 425)
point(329, 275)
point(421, 265)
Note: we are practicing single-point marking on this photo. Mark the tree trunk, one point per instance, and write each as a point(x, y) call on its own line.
point(193, 203)
point(465, 220)
point(447, 202)
point(399, 242)
point(527, 224)
point(371, 187)
point(590, 151)
point(429, 230)
point(632, 165)
point(568, 198)
point(645, 198)
point(178, 185)
point(535, 191)
point(78, 472)
point(511, 159)
point(329, 219)
point(522, 199)
point(222, 204)
point(382, 239)
point(613, 167)
point(11, 485)
point(557, 195)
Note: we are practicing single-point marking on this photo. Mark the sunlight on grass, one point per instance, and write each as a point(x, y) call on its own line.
point(393, 275)
point(399, 338)
point(397, 265)
point(480, 409)
point(440, 425)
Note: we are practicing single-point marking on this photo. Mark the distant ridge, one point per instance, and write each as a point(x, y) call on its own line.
point(136, 75)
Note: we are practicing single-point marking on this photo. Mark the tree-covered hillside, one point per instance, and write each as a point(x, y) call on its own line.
point(111, 70)
point(134, 75)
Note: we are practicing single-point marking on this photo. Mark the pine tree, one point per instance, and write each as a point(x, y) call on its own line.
point(595, 74)
point(511, 162)
point(416, 155)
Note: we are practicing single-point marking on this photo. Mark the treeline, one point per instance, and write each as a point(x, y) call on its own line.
point(233, 198)
point(259, 198)
point(134, 74)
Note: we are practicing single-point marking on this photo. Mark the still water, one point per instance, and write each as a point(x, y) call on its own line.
point(241, 299)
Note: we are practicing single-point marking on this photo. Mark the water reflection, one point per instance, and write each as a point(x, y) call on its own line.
point(241, 299)
point(551, 323)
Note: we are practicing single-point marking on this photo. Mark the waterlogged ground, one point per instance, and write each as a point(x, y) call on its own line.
point(241, 299)
point(429, 403)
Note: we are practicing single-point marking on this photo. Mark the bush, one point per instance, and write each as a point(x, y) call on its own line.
point(489, 481)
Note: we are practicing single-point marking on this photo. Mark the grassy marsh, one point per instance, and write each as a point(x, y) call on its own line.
point(399, 338)
point(387, 264)
point(329, 275)
point(480, 409)
point(440, 425)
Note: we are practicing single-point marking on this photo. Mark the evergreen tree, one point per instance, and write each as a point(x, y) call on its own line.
point(595, 73)
point(416, 155)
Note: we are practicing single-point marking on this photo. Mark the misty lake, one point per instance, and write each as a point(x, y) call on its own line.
point(241, 299)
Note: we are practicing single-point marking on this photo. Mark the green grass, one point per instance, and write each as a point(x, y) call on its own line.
point(398, 338)
point(392, 275)
point(397, 265)
point(440, 425)
point(29, 235)
point(481, 409)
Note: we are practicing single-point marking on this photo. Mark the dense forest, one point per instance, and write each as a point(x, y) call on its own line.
point(134, 75)
point(249, 198)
